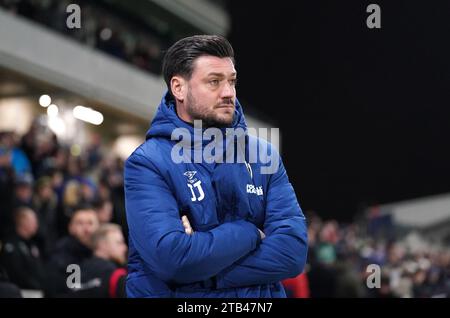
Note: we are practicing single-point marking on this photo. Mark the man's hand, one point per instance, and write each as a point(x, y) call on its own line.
point(189, 231)
point(187, 226)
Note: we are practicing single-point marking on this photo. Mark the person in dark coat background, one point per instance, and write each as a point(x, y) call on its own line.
point(72, 249)
point(103, 275)
point(20, 256)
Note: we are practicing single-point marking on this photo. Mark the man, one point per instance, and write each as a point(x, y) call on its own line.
point(72, 249)
point(102, 275)
point(45, 204)
point(21, 197)
point(209, 228)
point(20, 256)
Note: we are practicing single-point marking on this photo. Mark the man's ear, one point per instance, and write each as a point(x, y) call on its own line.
point(178, 86)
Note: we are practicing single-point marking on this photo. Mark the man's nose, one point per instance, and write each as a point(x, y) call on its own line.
point(227, 91)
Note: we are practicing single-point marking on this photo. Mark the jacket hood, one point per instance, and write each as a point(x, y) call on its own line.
point(166, 119)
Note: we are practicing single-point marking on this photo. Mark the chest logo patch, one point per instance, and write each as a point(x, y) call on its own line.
point(195, 186)
point(254, 190)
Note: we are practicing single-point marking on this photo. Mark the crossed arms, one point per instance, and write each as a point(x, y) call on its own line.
point(236, 253)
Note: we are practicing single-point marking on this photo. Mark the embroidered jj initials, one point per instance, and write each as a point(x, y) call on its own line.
point(197, 185)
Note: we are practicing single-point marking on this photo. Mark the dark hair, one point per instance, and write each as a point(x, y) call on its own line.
point(99, 202)
point(180, 57)
point(82, 207)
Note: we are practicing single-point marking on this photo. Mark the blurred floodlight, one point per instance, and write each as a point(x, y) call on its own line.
point(57, 125)
point(126, 144)
point(52, 110)
point(45, 100)
point(88, 115)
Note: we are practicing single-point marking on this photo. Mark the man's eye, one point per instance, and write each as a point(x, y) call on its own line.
point(233, 82)
point(214, 82)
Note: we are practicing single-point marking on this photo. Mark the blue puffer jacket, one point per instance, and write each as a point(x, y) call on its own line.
point(226, 204)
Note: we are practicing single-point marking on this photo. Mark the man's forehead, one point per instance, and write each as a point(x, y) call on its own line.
point(84, 215)
point(206, 65)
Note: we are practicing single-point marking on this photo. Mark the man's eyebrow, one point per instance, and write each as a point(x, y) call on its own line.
point(220, 74)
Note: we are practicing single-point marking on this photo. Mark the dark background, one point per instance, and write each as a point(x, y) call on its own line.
point(364, 113)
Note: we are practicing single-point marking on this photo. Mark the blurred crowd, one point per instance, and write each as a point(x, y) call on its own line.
point(342, 257)
point(59, 207)
point(102, 28)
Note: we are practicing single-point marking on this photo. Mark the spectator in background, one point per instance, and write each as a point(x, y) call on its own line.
point(72, 249)
point(112, 178)
point(23, 191)
point(103, 274)
point(93, 151)
point(45, 204)
point(28, 142)
point(77, 191)
point(21, 196)
point(40, 145)
point(17, 157)
point(57, 179)
point(76, 171)
point(71, 199)
point(20, 255)
point(322, 277)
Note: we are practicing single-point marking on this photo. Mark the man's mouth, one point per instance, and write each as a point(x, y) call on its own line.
point(226, 106)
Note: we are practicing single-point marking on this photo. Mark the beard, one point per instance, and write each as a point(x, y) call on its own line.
point(209, 118)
